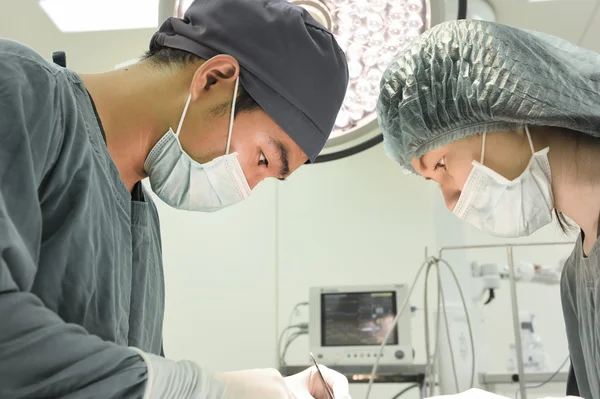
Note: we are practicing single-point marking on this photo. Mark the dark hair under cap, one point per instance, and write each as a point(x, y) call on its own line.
point(290, 64)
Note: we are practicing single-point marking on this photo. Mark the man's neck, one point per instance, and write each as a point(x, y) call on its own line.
point(581, 203)
point(136, 105)
point(576, 185)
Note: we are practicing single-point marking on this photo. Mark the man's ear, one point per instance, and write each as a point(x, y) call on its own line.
point(220, 70)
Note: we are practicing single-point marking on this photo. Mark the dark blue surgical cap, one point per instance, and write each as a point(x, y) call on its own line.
point(290, 64)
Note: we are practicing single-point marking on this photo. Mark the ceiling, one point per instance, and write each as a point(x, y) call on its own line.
point(577, 21)
point(26, 22)
point(23, 20)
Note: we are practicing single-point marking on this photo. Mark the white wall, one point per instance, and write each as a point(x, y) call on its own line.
point(221, 283)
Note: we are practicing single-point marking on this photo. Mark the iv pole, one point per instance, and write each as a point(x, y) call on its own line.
point(513, 295)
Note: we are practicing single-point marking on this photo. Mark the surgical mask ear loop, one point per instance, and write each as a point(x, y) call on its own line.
point(530, 141)
point(528, 138)
point(185, 109)
point(483, 149)
point(232, 116)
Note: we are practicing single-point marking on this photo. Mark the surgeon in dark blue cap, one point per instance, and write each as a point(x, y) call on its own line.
point(235, 92)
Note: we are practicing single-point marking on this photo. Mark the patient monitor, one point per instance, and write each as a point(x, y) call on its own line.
point(349, 324)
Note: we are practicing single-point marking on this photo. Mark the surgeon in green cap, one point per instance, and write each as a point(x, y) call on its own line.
point(507, 122)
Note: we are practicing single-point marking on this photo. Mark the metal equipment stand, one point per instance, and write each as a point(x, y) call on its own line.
point(513, 296)
point(491, 380)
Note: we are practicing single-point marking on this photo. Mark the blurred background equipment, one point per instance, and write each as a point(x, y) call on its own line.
point(348, 325)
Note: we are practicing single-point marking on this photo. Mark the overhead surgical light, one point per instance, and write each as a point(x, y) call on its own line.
point(371, 33)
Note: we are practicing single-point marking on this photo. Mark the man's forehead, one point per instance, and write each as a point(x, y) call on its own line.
point(417, 164)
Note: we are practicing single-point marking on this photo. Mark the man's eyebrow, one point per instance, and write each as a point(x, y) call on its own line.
point(282, 153)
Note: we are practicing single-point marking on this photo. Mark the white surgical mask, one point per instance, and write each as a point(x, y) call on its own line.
point(183, 183)
point(507, 208)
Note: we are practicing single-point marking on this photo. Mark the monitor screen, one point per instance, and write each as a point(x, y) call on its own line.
point(358, 318)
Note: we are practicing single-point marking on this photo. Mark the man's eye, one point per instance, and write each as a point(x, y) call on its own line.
point(440, 164)
point(262, 160)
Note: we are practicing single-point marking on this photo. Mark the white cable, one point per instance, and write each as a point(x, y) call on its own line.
point(394, 323)
point(290, 340)
point(296, 307)
point(433, 366)
point(437, 335)
point(299, 326)
point(404, 305)
point(401, 393)
point(441, 307)
point(283, 336)
point(462, 297)
point(437, 329)
point(290, 320)
point(430, 359)
point(449, 341)
point(545, 382)
point(426, 326)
